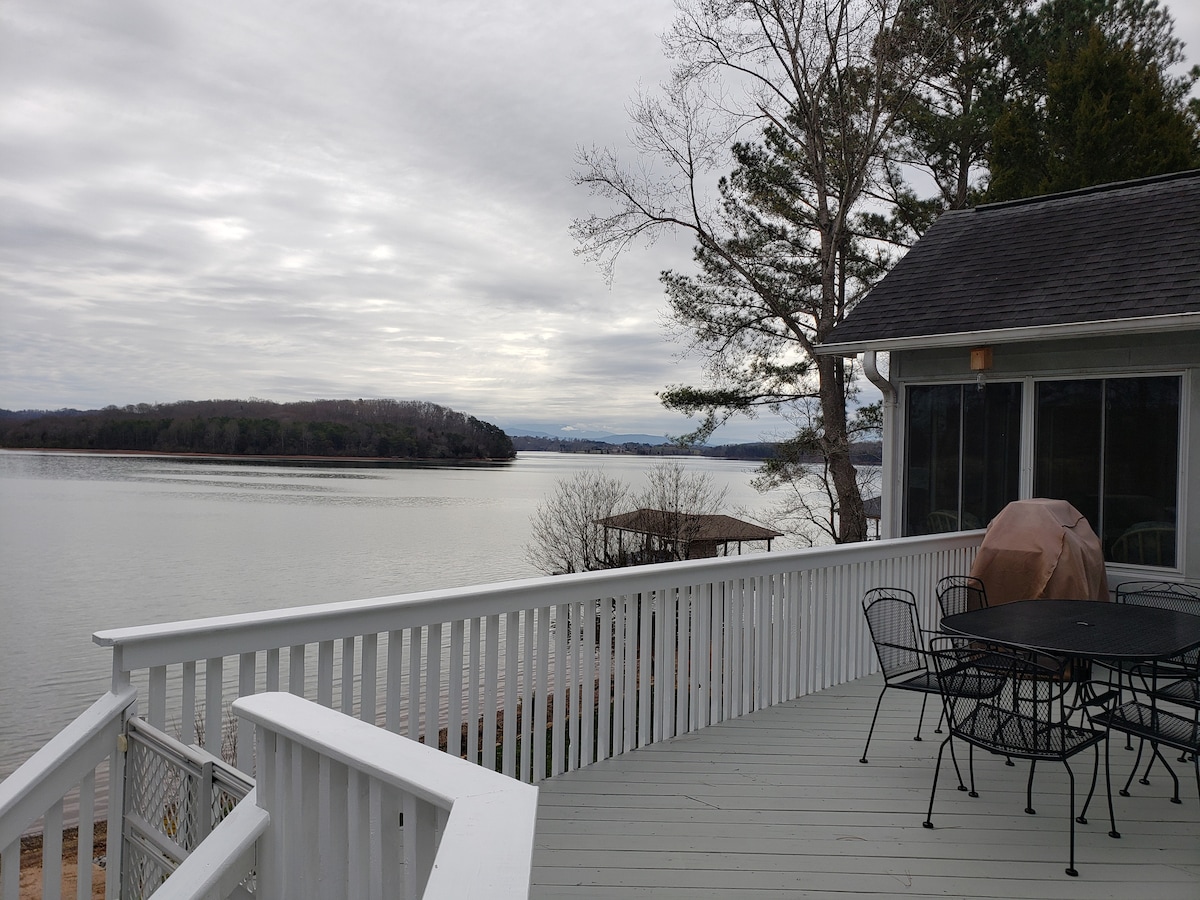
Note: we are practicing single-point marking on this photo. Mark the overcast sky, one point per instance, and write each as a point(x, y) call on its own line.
point(301, 199)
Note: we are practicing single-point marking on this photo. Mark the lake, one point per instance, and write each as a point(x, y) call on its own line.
point(90, 541)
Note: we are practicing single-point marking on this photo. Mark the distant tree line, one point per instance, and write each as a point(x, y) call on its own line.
point(390, 429)
point(863, 453)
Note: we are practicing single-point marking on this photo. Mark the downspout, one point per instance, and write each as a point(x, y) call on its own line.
point(888, 495)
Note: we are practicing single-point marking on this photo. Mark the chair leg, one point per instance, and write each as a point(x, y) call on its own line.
point(921, 720)
point(871, 730)
point(1108, 788)
point(1124, 792)
point(928, 823)
point(1071, 870)
point(1029, 789)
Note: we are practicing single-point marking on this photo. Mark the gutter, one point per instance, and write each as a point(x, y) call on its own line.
point(871, 370)
point(1062, 331)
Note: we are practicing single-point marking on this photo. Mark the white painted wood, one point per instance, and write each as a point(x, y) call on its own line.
point(52, 844)
point(325, 673)
point(775, 804)
point(10, 870)
point(413, 704)
point(346, 704)
point(214, 698)
point(369, 678)
point(511, 685)
point(454, 711)
point(86, 834)
point(473, 692)
point(542, 693)
point(224, 859)
point(46, 777)
point(485, 842)
point(395, 672)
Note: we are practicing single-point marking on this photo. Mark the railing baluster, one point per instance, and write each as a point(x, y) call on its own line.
point(541, 693)
point(369, 678)
point(156, 701)
point(325, 673)
point(491, 687)
point(587, 681)
point(475, 638)
point(85, 836)
point(512, 731)
point(187, 713)
point(604, 655)
point(395, 673)
point(347, 676)
point(558, 728)
point(574, 684)
point(271, 670)
point(296, 670)
point(52, 844)
point(433, 683)
point(414, 683)
point(247, 675)
point(454, 711)
point(214, 699)
point(528, 695)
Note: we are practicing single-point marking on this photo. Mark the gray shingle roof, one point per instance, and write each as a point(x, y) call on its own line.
point(1123, 251)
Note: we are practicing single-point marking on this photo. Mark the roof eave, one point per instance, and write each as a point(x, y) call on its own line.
point(1105, 328)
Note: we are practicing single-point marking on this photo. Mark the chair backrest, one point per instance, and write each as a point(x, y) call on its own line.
point(1004, 701)
point(895, 630)
point(959, 593)
point(1163, 594)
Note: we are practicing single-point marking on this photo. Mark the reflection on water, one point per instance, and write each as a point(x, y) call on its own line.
point(89, 542)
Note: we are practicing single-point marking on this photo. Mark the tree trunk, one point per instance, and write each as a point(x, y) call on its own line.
point(852, 520)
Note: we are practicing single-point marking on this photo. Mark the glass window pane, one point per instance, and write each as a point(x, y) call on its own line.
point(991, 451)
point(932, 460)
point(1141, 470)
point(1067, 449)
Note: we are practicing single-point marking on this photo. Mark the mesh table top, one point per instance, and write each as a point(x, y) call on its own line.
point(1084, 629)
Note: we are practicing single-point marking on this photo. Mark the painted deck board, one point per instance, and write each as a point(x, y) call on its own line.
point(776, 805)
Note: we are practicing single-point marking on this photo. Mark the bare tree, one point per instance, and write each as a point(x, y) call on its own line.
point(679, 498)
point(790, 241)
point(565, 534)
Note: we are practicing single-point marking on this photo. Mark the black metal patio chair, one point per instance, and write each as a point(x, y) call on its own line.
point(1181, 671)
point(960, 593)
point(1019, 712)
point(896, 633)
point(1160, 701)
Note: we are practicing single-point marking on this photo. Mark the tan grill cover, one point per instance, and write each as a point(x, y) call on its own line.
point(1041, 549)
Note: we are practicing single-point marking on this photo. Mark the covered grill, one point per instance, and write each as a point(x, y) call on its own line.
point(1041, 548)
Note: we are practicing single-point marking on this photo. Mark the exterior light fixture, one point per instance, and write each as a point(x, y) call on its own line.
point(981, 361)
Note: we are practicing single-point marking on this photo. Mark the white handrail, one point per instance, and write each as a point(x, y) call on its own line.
point(146, 646)
point(486, 834)
point(223, 860)
point(692, 643)
point(47, 776)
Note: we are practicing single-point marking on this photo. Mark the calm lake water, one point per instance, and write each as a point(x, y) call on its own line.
point(89, 542)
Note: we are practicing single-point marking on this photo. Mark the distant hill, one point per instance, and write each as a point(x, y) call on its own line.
point(866, 453)
point(384, 429)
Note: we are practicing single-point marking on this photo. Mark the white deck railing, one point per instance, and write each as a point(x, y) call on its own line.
point(537, 677)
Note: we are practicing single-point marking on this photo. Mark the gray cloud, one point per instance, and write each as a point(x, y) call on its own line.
point(326, 199)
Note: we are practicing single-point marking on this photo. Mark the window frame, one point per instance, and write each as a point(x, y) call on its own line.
point(1027, 443)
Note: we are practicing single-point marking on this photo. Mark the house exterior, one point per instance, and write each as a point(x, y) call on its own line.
point(1047, 347)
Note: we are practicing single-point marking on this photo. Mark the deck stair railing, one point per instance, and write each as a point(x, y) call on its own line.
point(174, 796)
point(538, 677)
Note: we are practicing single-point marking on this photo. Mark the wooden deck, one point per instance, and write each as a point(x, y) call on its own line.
point(776, 805)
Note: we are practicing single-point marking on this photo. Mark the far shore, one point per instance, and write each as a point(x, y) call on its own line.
point(239, 457)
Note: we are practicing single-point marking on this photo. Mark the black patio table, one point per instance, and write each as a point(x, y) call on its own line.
point(1082, 629)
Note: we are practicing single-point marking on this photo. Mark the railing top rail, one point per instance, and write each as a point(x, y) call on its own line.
point(221, 856)
point(415, 768)
point(54, 769)
point(162, 644)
